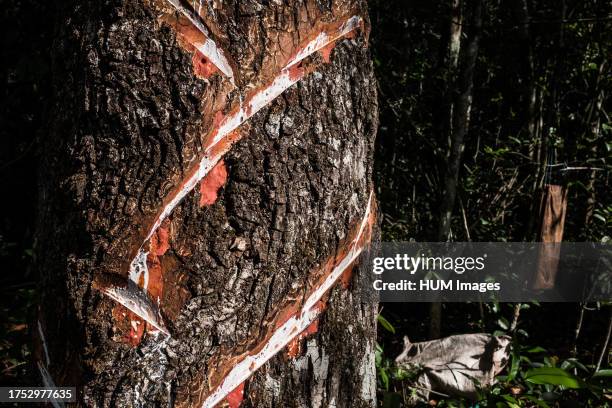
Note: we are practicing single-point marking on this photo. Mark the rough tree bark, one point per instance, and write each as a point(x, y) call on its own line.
point(205, 192)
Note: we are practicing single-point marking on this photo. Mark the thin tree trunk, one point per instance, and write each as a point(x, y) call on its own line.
point(552, 132)
point(516, 314)
point(578, 328)
point(606, 343)
point(459, 125)
point(593, 126)
point(529, 77)
point(531, 97)
point(206, 187)
point(456, 25)
point(460, 121)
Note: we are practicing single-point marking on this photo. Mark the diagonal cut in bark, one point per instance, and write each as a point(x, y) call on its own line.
point(133, 298)
point(294, 348)
point(204, 43)
point(292, 321)
point(223, 134)
point(219, 141)
point(43, 342)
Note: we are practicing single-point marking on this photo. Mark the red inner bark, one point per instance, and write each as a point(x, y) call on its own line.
point(202, 67)
point(212, 183)
point(234, 398)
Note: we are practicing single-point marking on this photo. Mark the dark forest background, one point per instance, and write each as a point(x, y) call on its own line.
point(537, 89)
point(539, 100)
point(559, 52)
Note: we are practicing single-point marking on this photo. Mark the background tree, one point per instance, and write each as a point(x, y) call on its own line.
point(459, 95)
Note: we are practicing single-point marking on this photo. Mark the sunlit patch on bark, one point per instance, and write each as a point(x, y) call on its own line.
point(224, 134)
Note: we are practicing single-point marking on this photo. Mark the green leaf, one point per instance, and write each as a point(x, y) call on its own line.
point(515, 140)
point(511, 401)
point(600, 217)
point(384, 379)
point(385, 324)
point(592, 66)
point(392, 400)
point(573, 363)
point(603, 373)
point(503, 323)
point(514, 366)
point(538, 401)
point(553, 376)
point(536, 349)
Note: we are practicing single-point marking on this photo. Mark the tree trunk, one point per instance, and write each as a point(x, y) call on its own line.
point(528, 66)
point(454, 44)
point(205, 193)
point(530, 101)
point(459, 120)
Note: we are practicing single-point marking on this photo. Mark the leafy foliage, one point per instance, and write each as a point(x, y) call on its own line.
point(534, 377)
